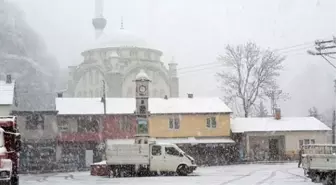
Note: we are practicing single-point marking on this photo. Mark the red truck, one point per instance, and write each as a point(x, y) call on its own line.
point(10, 144)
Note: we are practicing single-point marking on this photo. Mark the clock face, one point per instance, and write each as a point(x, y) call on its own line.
point(142, 88)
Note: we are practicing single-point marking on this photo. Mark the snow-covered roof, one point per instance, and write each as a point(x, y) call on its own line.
point(6, 93)
point(82, 106)
point(142, 75)
point(240, 125)
point(118, 38)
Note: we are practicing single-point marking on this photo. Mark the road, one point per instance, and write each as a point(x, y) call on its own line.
point(254, 174)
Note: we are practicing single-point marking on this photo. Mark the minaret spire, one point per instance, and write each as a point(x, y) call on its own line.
point(99, 22)
point(122, 23)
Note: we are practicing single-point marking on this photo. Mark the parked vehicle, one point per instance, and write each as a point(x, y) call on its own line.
point(147, 159)
point(9, 151)
point(319, 163)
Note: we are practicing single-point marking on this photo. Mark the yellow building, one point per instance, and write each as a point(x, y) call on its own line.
point(189, 118)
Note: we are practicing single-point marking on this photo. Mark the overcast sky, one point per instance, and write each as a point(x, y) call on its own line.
point(196, 31)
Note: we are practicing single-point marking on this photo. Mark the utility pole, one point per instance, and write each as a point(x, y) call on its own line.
point(274, 95)
point(103, 100)
point(333, 127)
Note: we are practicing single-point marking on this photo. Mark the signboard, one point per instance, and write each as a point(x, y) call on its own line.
point(142, 126)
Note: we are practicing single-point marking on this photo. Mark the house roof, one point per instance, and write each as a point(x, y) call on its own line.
point(240, 125)
point(6, 93)
point(82, 106)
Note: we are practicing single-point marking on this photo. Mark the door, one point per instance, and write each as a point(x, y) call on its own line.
point(172, 158)
point(88, 158)
point(156, 158)
point(274, 149)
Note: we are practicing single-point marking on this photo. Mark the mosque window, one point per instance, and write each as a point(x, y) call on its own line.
point(162, 93)
point(97, 93)
point(133, 53)
point(97, 77)
point(129, 92)
point(155, 93)
point(90, 77)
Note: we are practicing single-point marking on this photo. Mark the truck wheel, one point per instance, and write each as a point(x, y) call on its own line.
point(182, 170)
point(14, 181)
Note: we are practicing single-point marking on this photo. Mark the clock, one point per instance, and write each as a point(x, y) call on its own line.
point(142, 88)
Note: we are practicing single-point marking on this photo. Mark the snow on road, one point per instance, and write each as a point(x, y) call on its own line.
point(255, 174)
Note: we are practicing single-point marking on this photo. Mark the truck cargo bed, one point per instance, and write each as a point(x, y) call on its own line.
point(127, 154)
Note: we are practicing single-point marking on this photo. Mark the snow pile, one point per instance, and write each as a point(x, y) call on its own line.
point(100, 163)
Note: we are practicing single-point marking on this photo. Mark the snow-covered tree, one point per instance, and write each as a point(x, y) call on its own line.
point(313, 112)
point(261, 110)
point(249, 73)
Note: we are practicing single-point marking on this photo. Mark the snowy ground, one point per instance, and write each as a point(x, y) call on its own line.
point(256, 174)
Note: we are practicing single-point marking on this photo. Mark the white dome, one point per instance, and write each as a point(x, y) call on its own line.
point(120, 38)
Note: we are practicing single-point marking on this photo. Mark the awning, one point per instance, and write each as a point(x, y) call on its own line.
point(189, 140)
point(193, 140)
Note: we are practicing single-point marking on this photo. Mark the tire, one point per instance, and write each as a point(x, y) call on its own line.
point(182, 170)
point(15, 180)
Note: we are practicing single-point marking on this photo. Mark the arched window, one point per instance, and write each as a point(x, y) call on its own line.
point(155, 93)
point(162, 93)
point(97, 93)
point(97, 77)
point(91, 93)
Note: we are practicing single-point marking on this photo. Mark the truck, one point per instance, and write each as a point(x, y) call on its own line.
point(10, 144)
point(319, 163)
point(150, 158)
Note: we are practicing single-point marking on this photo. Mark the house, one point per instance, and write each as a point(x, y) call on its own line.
point(276, 138)
point(189, 122)
point(6, 95)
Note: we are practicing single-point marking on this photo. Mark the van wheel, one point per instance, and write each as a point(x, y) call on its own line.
point(182, 170)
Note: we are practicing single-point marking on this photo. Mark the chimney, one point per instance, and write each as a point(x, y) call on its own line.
point(59, 94)
point(190, 95)
point(8, 79)
point(277, 113)
point(166, 97)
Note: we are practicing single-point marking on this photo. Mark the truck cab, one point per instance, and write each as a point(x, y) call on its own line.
point(169, 157)
point(10, 144)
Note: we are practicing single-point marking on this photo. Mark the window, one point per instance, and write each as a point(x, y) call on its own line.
point(312, 141)
point(156, 150)
point(63, 126)
point(97, 93)
point(174, 123)
point(125, 124)
point(90, 77)
point(133, 53)
point(300, 143)
point(211, 122)
point(306, 141)
point(34, 122)
point(172, 151)
point(87, 124)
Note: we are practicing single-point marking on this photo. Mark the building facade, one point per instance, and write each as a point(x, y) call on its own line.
point(276, 138)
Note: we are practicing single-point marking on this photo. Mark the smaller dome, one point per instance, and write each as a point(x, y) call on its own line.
point(142, 76)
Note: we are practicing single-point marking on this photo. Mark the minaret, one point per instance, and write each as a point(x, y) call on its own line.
point(99, 22)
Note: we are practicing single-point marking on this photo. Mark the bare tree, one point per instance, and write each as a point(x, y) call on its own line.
point(249, 72)
point(313, 112)
point(261, 110)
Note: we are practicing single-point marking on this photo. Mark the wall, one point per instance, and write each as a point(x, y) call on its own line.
point(5, 110)
point(115, 126)
point(191, 125)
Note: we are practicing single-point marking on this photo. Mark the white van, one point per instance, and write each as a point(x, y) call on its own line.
point(146, 159)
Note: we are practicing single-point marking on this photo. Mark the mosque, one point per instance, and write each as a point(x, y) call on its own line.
point(114, 60)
